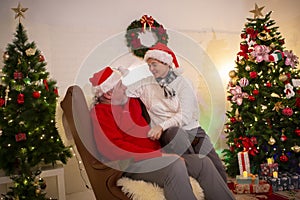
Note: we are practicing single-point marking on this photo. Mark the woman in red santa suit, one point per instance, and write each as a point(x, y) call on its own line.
point(120, 133)
point(173, 108)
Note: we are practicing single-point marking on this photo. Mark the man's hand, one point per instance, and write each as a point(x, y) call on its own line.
point(155, 132)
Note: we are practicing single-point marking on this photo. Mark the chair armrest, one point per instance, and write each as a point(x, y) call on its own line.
point(120, 165)
point(100, 166)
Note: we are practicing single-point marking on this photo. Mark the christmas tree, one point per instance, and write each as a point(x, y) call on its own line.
point(28, 133)
point(264, 95)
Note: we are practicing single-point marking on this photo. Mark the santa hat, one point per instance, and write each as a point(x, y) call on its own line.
point(106, 79)
point(162, 53)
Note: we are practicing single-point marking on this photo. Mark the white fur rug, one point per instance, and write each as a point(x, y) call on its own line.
point(141, 190)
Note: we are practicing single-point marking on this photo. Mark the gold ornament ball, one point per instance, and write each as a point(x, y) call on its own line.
point(283, 77)
point(271, 141)
point(5, 56)
point(232, 74)
point(271, 65)
point(272, 45)
point(234, 80)
point(296, 148)
point(241, 62)
point(251, 58)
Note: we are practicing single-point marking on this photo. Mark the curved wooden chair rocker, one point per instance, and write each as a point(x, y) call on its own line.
point(103, 179)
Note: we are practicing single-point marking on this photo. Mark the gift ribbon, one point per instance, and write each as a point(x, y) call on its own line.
point(147, 20)
point(243, 162)
point(253, 178)
point(251, 188)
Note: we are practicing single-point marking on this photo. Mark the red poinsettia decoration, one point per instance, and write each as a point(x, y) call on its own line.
point(252, 33)
point(247, 143)
point(244, 50)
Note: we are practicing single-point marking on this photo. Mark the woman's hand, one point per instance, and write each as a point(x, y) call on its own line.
point(155, 132)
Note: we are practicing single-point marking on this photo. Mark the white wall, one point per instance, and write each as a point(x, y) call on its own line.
point(69, 32)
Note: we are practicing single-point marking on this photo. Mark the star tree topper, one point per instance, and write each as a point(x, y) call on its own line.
point(257, 11)
point(19, 11)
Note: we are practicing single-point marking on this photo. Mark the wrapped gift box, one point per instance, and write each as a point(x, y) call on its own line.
point(268, 169)
point(244, 162)
point(284, 182)
point(273, 182)
point(262, 187)
point(250, 179)
point(295, 178)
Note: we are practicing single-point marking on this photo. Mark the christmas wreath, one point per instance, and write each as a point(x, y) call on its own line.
point(139, 26)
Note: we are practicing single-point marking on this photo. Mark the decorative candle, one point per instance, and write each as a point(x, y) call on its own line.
point(275, 174)
point(270, 161)
point(245, 174)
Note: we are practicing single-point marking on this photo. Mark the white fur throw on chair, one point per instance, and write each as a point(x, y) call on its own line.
point(142, 190)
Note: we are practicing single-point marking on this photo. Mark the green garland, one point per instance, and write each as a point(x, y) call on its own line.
point(137, 27)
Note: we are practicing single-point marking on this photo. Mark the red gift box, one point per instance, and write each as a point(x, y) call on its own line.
point(20, 137)
point(268, 169)
point(262, 188)
point(250, 179)
point(244, 163)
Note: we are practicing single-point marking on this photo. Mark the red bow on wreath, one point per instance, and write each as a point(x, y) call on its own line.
point(147, 20)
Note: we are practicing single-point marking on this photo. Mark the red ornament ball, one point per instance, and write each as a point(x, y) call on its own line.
point(297, 131)
point(251, 98)
point(20, 99)
point(255, 92)
point(36, 94)
point(287, 112)
point(233, 119)
point(283, 158)
point(41, 58)
point(268, 84)
point(283, 138)
point(253, 74)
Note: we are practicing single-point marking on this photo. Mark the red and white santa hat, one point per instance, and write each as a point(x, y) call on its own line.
point(163, 54)
point(106, 79)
